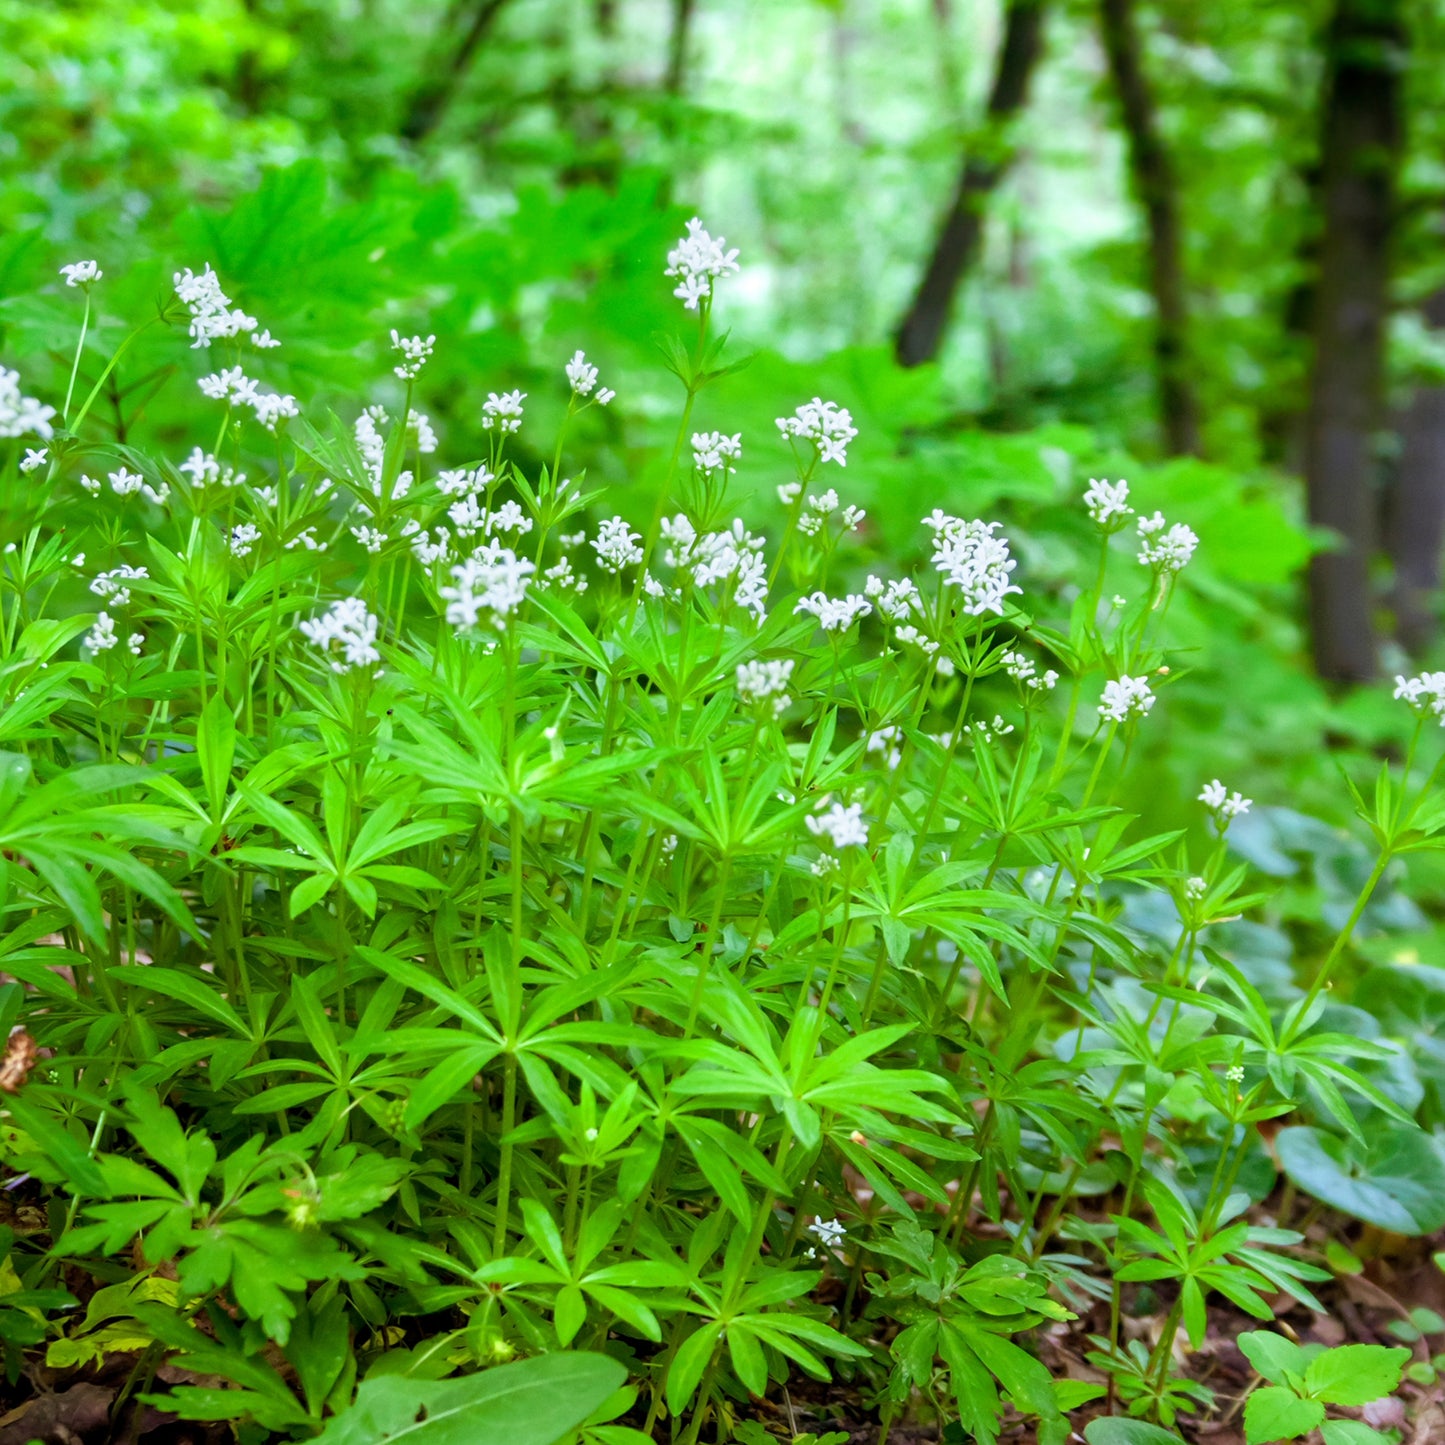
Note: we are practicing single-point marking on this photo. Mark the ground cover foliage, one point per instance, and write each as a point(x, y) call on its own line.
point(457, 911)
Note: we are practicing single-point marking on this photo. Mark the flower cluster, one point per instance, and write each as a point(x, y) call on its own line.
point(112, 585)
point(503, 413)
point(897, 600)
point(1425, 694)
point(582, 377)
point(1224, 805)
point(1165, 548)
point(616, 545)
point(1025, 672)
point(1126, 698)
point(973, 561)
point(234, 387)
point(697, 261)
point(212, 317)
point(205, 470)
point(346, 634)
point(81, 273)
point(843, 827)
point(103, 636)
point(715, 451)
point(1108, 504)
point(765, 680)
point(491, 583)
point(22, 415)
point(835, 614)
point(827, 426)
point(415, 351)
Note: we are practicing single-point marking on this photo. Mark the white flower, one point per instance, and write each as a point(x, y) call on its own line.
point(910, 636)
point(22, 415)
point(852, 516)
point(211, 315)
point(111, 585)
point(346, 634)
point(561, 575)
point(429, 553)
point(493, 580)
point(829, 1231)
point(669, 845)
point(715, 451)
point(765, 680)
point(988, 731)
point(414, 353)
point(829, 427)
point(885, 741)
point(974, 561)
point(581, 374)
point(824, 864)
point(616, 545)
point(896, 600)
point(264, 341)
point(271, 409)
point(835, 614)
point(243, 539)
point(1195, 888)
point(463, 483)
point(1234, 1074)
point(1108, 503)
point(81, 273)
point(204, 470)
point(697, 261)
point(1165, 551)
point(135, 642)
point(232, 384)
point(503, 412)
point(844, 827)
point(825, 505)
point(509, 517)
point(372, 538)
point(1025, 672)
point(419, 430)
point(124, 483)
point(605, 396)
point(32, 460)
point(308, 539)
point(91, 485)
point(788, 492)
point(1128, 697)
point(1222, 803)
point(1425, 694)
point(102, 637)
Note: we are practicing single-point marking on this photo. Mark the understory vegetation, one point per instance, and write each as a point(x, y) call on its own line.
point(461, 917)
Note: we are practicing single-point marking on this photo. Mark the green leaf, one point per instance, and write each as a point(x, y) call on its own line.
point(1275, 1413)
point(1356, 1374)
point(532, 1402)
point(1395, 1179)
point(1116, 1430)
point(1272, 1355)
point(1351, 1432)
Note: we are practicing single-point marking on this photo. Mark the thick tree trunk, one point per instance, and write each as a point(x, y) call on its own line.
point(1156, 188)
point(1360, 150)
point(1415, 516)
point(433, 97)
point(956, 248)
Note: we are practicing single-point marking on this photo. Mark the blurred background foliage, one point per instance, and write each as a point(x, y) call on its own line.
point(509, 173)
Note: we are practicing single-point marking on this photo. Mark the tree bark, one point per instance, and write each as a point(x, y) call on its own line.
point(1415, 515)
point(433, 97)
point(1360, 148)
point(956, 248)
point(1156, 187)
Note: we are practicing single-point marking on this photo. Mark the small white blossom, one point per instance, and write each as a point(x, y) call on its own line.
point(828, 1231)
point(581, 374)
point(765, 680)
point(271, 409)
point(829, 427)
point(1126, 698)
point(697, 261)
point(1025, 672)
point(896, 600)
point(844, 827)
point(124, 483)
point(669, 845)
point(414, 350)
point(973, 561)
point(1108, 503)
point(204, 470)
point(1195, 888)
point(789, 492)
point(1165, 550)
point(346, 634)
point(264, 341)
point(715, 451)
point(22, 415)
point(111, 585)
point(231, 384)
point(1222, 803)
point(835, 614)
point(509, 517)
point(91, 485)
point(307, 539)
point(243, 539)
point(988, 731)
point(1425, 694)
point(1234, 1074)
point(81, 273)
point(372, 538)
point(211, 315)
point(885, 741)
point(33, 460)
point(492, 581)
point(910, 636)
point(503, 412)
point(561, 575)
point(616, 545)
point(102, 637)
point(824, 865)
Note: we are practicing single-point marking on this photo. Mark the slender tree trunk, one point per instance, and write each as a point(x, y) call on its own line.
point(433, 97)
point(956, 248)
point(1151, 173)
point(1415, 515)
point(1361, 144)
point(677, 45)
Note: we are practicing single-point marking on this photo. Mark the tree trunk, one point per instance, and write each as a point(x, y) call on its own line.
point(1415, 516)
point(677, 45)
point(433, 97)
point(1360, 148)
point(1151, 173)
point(956, 248)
